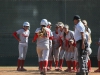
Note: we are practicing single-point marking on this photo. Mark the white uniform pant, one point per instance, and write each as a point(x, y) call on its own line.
point(50, 54)
point(22, 50)
point(98, 55)
point(71, 56)
point(43, 52)
point(62, 54)
point(56, 53)
point(50, 50)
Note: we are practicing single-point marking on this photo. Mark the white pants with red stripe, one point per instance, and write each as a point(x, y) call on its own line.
point(22, 50)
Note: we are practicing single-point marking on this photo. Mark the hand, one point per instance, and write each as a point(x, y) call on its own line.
point(83, 46)
point(19, 40)
point(98, 43)
point(33, 41)
point(57, 48)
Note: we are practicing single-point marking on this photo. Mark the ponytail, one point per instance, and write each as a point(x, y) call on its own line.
point(42, 32)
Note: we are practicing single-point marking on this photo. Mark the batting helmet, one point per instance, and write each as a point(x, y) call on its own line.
point(26, 24)
point(49, 23)
point(44, 22)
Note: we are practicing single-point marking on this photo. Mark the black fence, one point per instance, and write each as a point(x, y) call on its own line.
point(14, 12)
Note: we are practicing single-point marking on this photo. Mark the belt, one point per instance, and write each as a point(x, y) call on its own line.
point(78, 41)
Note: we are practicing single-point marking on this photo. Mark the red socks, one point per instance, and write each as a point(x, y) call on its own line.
point(22, 63)
point(18, 63)
point(61, 62)
point(89, 64)
point(68, 64)
point(50, 63)
point(99, 64)
point(41, 65)
point(74, 65)
point(45, 64)
point(56, 63)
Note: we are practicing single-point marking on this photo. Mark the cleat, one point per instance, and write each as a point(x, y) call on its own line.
point(67, 70)
point(18, 69)
point(41, 72)
point(22, 69)
point(98, 70)
point(59, 69)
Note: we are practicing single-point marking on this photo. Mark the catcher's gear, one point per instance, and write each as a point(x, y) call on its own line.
point(89, 51)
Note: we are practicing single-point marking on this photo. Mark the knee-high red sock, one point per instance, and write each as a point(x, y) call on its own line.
point(56, 63)
point(22, 63)
point(74, 65)
point(89, 64)
point(99, 64)
point(60, 63)
point(41, 65)
point(68, 64)
point(50, 63)
point(18, 63)
point(77, 65)
point(45, 64)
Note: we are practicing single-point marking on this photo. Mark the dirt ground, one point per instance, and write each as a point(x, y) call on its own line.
point(34, 71)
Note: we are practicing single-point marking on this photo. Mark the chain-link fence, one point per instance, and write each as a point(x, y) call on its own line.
point(14, 12)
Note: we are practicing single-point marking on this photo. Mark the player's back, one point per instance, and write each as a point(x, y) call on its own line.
point(43, 40)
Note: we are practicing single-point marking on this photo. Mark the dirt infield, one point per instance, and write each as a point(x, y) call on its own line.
point(34, 71)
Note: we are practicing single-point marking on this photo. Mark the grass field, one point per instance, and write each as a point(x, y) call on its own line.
point(34, 71)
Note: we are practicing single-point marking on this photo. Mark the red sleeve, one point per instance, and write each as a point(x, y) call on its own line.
point(60, 41)
point(67, 43)
point(15, 35)
point(35, 37)
point(74, 44)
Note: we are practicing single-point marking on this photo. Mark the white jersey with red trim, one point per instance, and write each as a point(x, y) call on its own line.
point(43, 40)
point(23, 35)
point(59, 33)
point(55, 40)
point(68, 36)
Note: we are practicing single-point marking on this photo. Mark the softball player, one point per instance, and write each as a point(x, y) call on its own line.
point(98, 57)
point(42, 36)
point(65, 36)
point(56, 46)
point(60, 31)
point(88, 38)
point(85, 24)
point(23, 44)
point(50, 59)
point(71, 56)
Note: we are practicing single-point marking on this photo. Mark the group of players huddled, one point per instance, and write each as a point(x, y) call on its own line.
point(53, 46)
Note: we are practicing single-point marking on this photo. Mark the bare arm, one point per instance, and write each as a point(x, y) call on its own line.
point(83, 39)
